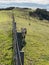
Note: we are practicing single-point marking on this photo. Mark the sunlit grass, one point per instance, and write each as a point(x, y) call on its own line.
point(37, 40)
point(36, 51)
point(5, 39)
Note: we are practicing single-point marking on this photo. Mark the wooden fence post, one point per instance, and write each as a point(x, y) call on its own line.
point(22, 57)
point(15, 61)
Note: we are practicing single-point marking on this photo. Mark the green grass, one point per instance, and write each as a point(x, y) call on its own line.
point(5, 39)
point(37, 39)
point(36, 51)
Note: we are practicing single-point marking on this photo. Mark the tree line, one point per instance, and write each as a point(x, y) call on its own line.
point(40, 13)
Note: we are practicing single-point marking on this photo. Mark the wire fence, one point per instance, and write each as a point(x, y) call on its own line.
point(16, 55)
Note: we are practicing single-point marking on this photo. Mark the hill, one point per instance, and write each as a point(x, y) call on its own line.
point(37, 38)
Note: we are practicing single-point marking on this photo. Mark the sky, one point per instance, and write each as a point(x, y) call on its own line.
point(30, 1)
point(20, 3)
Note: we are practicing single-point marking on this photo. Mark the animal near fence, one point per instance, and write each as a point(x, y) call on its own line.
point(18, 55)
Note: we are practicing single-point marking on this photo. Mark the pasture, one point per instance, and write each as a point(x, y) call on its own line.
point(37, 38)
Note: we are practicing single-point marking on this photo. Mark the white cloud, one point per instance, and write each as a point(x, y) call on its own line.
point(41, 1)
point(32, 1)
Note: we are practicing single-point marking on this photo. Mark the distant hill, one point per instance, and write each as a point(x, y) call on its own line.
point(39, 13)
point(8, 8)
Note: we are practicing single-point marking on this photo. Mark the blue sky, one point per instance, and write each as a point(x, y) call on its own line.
point(25, 3)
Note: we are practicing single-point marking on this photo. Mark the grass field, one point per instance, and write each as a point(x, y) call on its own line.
point(5, 38)
point(37, 38)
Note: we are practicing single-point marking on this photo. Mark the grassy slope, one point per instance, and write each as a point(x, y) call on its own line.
point(37, 38)
point(5, 38)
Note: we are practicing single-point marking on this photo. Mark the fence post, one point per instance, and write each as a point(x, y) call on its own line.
point(22, 57)
point(15, 61)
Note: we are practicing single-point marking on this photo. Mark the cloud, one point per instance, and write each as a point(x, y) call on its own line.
point(41, 1)
point(29, 1)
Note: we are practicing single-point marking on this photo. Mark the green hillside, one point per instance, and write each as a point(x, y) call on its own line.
point(5, 38)
point(37, 38)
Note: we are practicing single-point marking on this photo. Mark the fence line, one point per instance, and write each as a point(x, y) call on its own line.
point(16, 51)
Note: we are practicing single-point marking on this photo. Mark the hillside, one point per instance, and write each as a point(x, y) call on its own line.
point(37, 38)
point(5, 38)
